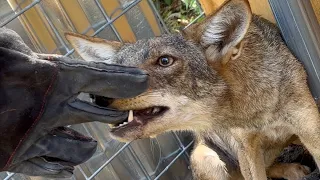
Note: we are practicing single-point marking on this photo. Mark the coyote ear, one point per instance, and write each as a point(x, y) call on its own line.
point(222, 32)
point(92, 48)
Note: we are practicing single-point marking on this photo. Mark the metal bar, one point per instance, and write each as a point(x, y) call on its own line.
point(24, 21)
point(65, 15)
point(9, 176)
point(21, 12)
point(53, 28)
point(193, 21)
point(108, 19)
point(199, 5)
point(127, 8)
point(13, 10)
point(82, 172)
point(159, 16)
point(171, 154)
point(96, 25)
point(75, 12)
point(177, 138)
point(174, 160)
point(165, 158)
point(69, 52)
point(301, 32)
point(162, 159)
point(148, 13)
point(136, 158)
point(107, 162)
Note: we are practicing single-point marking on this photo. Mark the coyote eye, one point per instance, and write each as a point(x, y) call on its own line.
point(165, 61)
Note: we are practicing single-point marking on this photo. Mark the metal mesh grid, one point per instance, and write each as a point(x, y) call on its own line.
point(109, 20)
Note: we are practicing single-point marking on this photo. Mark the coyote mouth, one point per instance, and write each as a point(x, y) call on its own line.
point(139, 118)
point(136, 118)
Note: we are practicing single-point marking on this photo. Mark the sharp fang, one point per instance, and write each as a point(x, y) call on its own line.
point(130, 117)
point(155, 110)
point(111, 125)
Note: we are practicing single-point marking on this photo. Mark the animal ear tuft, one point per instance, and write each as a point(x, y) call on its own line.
point(92, 48)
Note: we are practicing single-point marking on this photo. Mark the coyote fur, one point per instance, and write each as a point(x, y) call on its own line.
point(229, 79)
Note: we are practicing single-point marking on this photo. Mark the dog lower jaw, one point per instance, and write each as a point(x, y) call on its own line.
point(137, 120)
point(129, 138)
point(132, 134)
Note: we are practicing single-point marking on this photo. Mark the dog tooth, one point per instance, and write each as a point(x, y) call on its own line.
point(124, 123)
point(130, 117)
point(155, 110)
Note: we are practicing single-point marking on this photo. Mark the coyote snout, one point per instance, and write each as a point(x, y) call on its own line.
point(155, 113)
point(230, 80)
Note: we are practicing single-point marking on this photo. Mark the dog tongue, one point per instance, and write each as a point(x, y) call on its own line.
point(130, 117)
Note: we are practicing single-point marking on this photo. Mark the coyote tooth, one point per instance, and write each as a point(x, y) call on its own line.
point(130, 117)
point(155, 110)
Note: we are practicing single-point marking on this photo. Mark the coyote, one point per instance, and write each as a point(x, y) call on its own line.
point(231, 81)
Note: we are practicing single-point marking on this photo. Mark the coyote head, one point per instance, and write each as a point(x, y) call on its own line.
point(189, 85)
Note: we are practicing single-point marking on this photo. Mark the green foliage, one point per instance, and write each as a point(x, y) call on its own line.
point(177, 13)
point(168, 2)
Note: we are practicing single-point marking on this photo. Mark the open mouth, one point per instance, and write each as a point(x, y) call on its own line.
point(139, 117)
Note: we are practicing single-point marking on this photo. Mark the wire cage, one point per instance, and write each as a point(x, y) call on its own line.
point(42, 23)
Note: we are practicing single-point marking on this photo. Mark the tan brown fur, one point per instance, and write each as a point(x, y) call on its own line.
point(288, 171)
point(233, 83)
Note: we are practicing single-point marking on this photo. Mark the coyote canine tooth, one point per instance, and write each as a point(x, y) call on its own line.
point(130, 117)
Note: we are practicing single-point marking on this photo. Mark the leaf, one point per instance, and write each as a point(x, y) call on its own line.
point(168, 2)
point(177, 13)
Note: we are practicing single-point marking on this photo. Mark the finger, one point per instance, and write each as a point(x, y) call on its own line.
point(102, 79)
point(11, 55)
point(62, 144)
point(56, 153)
point(81, 111)
point(9, 39)
point(38, 166)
